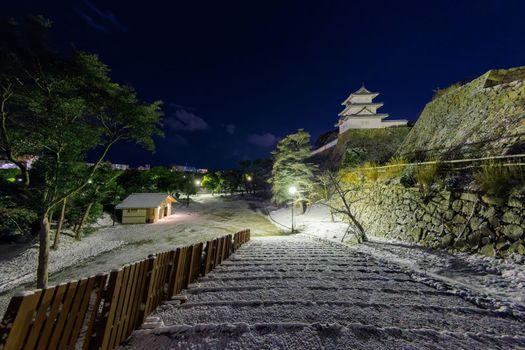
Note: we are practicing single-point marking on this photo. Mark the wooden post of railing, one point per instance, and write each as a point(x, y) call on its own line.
point(208, 258)
point(148, 286)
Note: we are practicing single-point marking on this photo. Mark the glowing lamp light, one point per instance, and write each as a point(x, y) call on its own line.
point(249, 178)
point(197, 182)
point(292, 190)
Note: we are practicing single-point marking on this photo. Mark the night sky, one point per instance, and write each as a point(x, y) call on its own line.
point(235, 76)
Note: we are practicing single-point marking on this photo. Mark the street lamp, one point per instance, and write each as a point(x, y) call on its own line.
point(249, 178)
point(292, 190)
point(197, 182)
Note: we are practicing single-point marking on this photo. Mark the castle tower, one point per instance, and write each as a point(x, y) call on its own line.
point(360, 112)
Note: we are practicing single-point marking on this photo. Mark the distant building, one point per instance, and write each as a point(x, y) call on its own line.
point(144, 167)
point(360, 112)
point(28, 161)
point(142, 208)
point(189, 169)
point(120, 166)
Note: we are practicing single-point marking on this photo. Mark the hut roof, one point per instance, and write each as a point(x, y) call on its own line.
point(145, 200)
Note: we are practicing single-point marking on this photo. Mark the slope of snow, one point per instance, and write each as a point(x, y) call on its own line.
point(111, 247)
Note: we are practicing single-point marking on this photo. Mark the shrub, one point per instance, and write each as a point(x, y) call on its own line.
point(353, 157)
point(427, 174)
point(369, 171)
point(396, 166)
point(408, 178)
point(499, 179)
point(15, 222)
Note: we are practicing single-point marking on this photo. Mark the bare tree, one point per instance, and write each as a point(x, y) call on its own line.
point(340, 198)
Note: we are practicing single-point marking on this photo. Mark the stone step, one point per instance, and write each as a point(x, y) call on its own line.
point(453, 319)
point(312, 336)
point(301, 281)
point(315, 293)
point(354, 276)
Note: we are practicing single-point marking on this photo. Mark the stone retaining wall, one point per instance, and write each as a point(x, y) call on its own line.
point(442, 219)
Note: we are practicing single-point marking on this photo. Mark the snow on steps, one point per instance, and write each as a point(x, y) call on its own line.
point(282, 292)
point(311, 336)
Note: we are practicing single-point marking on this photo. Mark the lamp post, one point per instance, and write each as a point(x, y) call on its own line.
point(292, 190)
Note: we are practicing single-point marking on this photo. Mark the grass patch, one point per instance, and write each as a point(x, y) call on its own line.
point(499, 179)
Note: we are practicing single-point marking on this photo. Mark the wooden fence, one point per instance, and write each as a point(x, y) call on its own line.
point(100, 312)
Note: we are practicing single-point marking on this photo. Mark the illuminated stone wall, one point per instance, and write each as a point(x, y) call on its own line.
point(464, 117)
point(457, 221)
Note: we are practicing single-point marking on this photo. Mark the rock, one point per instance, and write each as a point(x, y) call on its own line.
point(494, 222)
point(485, 230)
point(511, 217)
point(471, 197)
point(514, 202)
point(467, 208)
point(447, 240)
point(448, 215)
point(458, 219)
point(489, 212)
point(502, 244)
point(456, 205)
point(474, 239)
point(416, 234)
point(488, 250)
point(475, 222)
point(514, 232)
point(493, 200)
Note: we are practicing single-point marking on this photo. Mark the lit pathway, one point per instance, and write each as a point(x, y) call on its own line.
point(293, 292)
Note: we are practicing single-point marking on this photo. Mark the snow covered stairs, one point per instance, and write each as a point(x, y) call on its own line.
point(295, 292)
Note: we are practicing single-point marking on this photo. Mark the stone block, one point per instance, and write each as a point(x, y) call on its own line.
point(471, 197)
point(511, 217)
point(446, 241)
point(513, 232)
point(515, 202)
point(488, 250)
point(493, 200)
point(457, 205)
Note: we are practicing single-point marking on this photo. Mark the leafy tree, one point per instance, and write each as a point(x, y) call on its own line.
point(233, 179)
point(188, 186)
point(290, 168)
point(212, 182)
point(59, 107)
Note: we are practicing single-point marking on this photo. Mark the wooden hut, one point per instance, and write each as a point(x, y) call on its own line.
point(143, 208)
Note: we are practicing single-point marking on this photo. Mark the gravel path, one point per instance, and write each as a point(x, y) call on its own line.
point(295, 292)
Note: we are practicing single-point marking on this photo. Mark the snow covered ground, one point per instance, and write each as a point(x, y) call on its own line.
point(111, 247)
point(298, 292)
point(487, 279)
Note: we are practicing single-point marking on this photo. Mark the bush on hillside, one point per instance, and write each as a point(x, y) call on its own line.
point(353, 157)
point(499, 179)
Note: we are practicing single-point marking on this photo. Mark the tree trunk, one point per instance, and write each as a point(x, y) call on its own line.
point(59, 225)
point(83, 221)
point(43, 252)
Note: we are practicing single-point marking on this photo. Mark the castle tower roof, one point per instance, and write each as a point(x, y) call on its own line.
point(361, 94)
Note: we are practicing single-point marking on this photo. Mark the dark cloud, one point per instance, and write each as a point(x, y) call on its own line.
point(179, 140)
point(182, 120)
point(101, 20)
point(262, 140)
point(230, 128)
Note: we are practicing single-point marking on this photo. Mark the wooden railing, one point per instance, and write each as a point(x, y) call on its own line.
point(100, 312)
